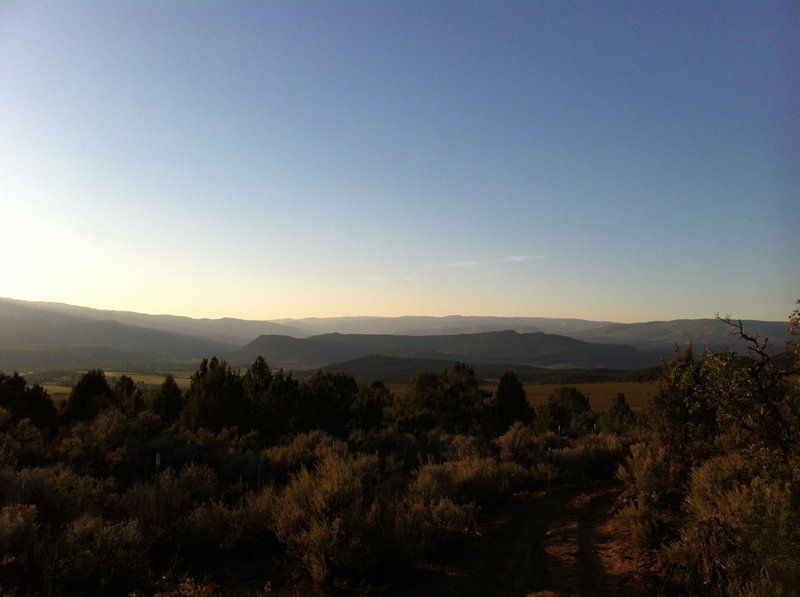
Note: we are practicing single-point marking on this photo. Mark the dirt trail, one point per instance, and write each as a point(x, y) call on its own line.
point(559, 542)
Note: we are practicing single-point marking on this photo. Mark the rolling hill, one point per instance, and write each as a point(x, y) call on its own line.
point(507, 347)
point(703, 333)
point(228, 331)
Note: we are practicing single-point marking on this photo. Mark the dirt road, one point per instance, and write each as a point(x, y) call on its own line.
point(559, 542)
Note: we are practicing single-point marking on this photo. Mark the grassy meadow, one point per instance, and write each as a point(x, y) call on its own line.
point(182, 378)
point(600, 394)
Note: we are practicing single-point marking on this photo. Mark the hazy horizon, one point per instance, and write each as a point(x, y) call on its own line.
point(623, 162)
point(405, 315)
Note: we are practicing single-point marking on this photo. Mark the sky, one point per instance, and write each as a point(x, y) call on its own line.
point(615, 160)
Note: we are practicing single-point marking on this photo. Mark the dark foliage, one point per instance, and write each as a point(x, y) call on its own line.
point(26, 402)
point(90, 396)
point(714, 491)
point(509, 405)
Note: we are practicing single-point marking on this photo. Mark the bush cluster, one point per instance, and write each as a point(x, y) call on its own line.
point(319, 487)
point(713, 488)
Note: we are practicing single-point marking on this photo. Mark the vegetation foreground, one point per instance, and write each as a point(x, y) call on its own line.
point(253, 483)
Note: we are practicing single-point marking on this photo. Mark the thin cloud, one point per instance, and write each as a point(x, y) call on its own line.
point(455, 264)
point(519, 258)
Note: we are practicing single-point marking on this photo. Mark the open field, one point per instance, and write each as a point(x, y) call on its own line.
point(58, 385)
point(600, 394)
point(56, 389)
point(182, 378)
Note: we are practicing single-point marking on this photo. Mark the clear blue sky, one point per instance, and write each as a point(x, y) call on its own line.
point(613, 160)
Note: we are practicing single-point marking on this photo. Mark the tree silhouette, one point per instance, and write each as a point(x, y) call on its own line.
point(509, 405)
point(216, 398)
point(327, 398)
point(26, 402)
point(90, 396)
point(449, 401)
point(564, 410)
point(127, 396)
point(168, 402)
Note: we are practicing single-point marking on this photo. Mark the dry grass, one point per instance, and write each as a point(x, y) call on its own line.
point(600, 394)
point(183, 380)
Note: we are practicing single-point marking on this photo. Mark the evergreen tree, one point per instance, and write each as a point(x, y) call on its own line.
point(682, 414)
point(414, 410)
point(566, 411)
point(368, 406)
point(327, 399)
point(449, 401)
point(168, 402)
point(127, 396)
point(26, 402)
point(216, 399)
point(619, 418)
point(90, 396)
point(510, 404)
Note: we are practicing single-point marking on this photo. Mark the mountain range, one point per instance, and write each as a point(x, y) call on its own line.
point(38, 335)
point(507, 347)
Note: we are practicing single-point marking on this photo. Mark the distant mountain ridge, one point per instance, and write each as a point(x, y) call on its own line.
point(37, 334)
point(505, 347)
point(411, 325)
point(226, 330)
point(702, 333)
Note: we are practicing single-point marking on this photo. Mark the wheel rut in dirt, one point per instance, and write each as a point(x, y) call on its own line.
point(558, 542)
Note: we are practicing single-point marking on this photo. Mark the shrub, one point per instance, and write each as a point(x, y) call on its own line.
point(198, 481)
point(642, 524)
point(102, 557)
point(22, 444)
point(653, 490)
point(741, 534)
point(111, 444)
point(61, 495)
point(423, 526)
point(590, 457)
point(188, 587)
point(462, 447)
point(254, 519)
point(394, 446)
point(650, 475)
point(18, 541)
point(159, 506)
point(303, 450)
point(207, 530)
point(480, 480)
point(521, 444)
point(320, 517)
